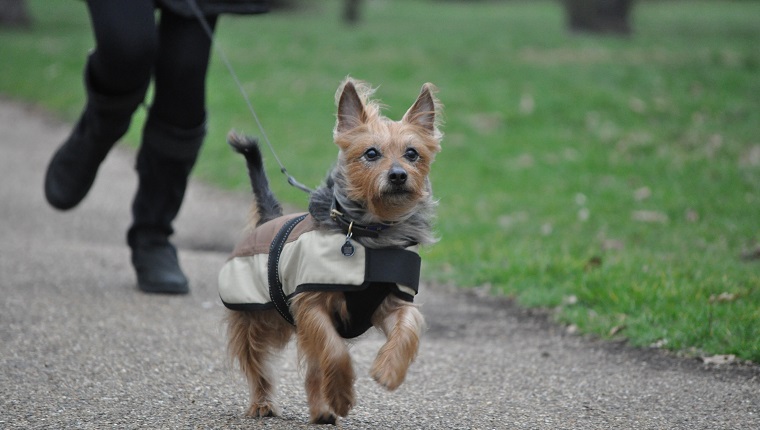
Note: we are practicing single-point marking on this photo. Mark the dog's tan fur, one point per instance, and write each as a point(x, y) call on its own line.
point(255, 336)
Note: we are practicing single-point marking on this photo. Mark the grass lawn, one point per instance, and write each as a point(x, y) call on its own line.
point(616, 180)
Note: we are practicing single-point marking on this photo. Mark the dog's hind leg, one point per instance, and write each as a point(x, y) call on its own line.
point(403, 325)
point(253, 339)
point(330, 375)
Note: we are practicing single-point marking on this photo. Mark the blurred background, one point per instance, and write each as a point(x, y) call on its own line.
point(601, 157)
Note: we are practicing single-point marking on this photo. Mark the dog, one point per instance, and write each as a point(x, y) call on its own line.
point(349, 264)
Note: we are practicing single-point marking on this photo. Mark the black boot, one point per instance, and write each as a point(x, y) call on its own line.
point(166, 157)
point(75, 164)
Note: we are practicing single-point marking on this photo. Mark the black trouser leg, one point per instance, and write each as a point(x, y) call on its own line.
point(75, 164)
point(172, 138)
point(116, 78)
point(164, 163)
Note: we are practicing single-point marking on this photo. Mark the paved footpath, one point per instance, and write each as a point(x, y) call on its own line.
point(80, 347)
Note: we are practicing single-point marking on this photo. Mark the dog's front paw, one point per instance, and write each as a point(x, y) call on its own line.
point(385, 373)
point(340, 395)
point(263, 409)
point(326, 418)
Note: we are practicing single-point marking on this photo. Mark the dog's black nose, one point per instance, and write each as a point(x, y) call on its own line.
point(397, 176)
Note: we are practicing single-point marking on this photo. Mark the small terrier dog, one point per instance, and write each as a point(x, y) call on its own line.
point(347, 265)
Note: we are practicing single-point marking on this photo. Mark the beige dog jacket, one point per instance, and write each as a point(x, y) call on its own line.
point(288, 256)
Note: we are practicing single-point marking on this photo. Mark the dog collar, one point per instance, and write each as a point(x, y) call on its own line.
point(350, 227)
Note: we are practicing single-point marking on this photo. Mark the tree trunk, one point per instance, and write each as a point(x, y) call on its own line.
point(351, 13)
point(599, 16)
point(13, 13)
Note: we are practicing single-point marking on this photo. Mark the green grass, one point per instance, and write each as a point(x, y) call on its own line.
point(614, 179)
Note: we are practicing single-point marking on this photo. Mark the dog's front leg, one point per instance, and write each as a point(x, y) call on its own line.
point(330, 374)
point(403, 325)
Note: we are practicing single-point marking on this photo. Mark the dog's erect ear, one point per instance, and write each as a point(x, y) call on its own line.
point(351, 112)
point(423, 111)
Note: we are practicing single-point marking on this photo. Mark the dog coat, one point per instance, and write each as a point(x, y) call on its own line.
point(288, 255)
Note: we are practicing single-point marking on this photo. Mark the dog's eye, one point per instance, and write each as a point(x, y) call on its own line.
point(372, 154)
point(411, 155)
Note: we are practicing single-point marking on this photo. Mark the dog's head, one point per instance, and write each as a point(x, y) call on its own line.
point(386, 163)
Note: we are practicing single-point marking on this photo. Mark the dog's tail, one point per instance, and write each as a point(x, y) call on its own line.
point(266, 205)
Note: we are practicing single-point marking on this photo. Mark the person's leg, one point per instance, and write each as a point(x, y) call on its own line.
point(172, 138)
point(180, 73)
point(116, 77)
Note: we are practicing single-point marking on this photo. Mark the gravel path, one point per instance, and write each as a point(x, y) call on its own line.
point(80, 347)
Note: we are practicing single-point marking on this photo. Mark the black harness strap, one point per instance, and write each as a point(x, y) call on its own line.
point(273, 269)
point(393, 265)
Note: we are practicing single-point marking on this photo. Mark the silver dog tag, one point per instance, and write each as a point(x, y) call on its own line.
point(348, 248)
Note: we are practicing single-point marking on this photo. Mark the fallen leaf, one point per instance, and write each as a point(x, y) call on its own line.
point(524, 161)
point(486, 122)
point(527, 104)
point(649, 216)
point(508, 221)
point(750, 157)
point(752, 254)
point(547, 229)
point(713, 145)
point(637, 105)
point(723, 297)
point(617, 329)
point(583, 214)
point(580, 199)
point(642, 193)
point(612, 244)
point(719, 359)
point(570, 300)
point(593, 263)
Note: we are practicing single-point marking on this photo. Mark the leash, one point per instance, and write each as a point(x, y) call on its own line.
point(207, 28)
